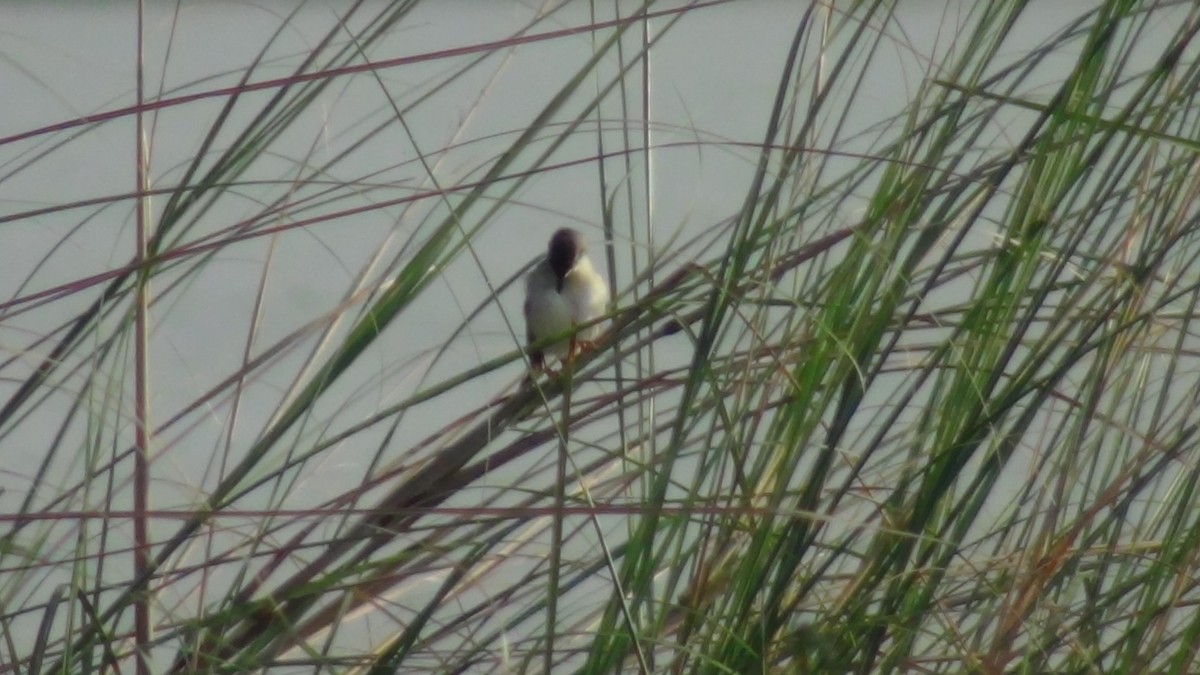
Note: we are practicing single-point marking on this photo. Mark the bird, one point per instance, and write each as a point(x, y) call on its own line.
point(562, 292)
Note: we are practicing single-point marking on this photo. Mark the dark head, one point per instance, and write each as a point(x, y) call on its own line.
point(566, 247)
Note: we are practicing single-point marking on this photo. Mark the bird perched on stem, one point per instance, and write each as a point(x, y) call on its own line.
point(563, 292)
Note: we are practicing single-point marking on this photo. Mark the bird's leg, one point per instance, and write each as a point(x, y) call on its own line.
point(537, 361)
point(571, 349)
point(537, 366)
point(575, 348)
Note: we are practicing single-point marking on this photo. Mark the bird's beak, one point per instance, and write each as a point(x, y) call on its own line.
point(561, 280)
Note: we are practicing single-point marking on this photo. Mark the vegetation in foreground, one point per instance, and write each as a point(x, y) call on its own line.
point(922, 402)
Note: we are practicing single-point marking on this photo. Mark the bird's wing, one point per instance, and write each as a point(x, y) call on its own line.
point(537, 358)
point(529, 337)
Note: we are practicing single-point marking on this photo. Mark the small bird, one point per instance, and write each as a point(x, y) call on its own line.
point(562, 292)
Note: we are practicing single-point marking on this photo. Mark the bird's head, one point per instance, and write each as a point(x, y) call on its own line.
point(566, 248)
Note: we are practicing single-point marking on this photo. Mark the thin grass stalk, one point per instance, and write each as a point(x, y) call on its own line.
point(556, 532)
point(142, 425)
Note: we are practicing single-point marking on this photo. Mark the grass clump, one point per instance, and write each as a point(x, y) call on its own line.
point(920, 398)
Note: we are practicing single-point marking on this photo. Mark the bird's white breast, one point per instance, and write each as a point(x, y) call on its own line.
point(586, 295)
point(583, 298)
